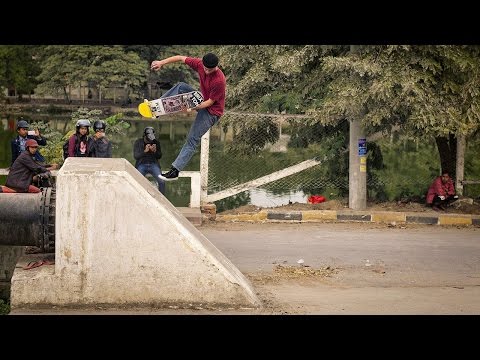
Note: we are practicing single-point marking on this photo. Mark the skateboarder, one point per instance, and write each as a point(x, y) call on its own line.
point(212, 86)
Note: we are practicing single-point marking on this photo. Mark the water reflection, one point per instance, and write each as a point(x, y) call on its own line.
point(265, 198)
point(171, 132)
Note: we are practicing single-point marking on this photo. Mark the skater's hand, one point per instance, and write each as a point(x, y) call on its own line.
point(156, 65)
point(442, 197)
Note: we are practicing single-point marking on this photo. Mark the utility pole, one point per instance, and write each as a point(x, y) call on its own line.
point(357, 172)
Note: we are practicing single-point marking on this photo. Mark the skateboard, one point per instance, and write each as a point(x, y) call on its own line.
point(170, 104)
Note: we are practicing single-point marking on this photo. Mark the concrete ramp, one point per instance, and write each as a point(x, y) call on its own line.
point(120, 242)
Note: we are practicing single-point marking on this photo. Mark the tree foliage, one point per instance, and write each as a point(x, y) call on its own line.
point(53, 152)
point(101, 66)
point(424, 90)
point(18, 68)
point(275, 78)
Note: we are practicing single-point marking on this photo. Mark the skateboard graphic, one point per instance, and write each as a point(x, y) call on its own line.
point(170, 104)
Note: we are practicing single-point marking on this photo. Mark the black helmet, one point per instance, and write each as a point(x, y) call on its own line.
point(149, 133)
point(99, 124)
point(83, 122)
point(22, 124)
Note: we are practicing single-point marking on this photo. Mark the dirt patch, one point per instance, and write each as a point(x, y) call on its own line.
point(287, 272)
point(462, 206)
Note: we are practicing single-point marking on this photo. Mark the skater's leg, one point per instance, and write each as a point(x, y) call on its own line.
point(179, 88)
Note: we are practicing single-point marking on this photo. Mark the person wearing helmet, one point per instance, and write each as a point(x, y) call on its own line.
point(25, 168)
point(78, 142)
point(99, 145)
point(213, 87)
point(147, 152)
point(18, 144)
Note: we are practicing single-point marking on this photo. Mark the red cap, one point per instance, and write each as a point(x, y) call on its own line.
point(31, 143)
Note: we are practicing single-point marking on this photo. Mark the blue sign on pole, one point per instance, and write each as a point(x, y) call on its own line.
point(362, 147)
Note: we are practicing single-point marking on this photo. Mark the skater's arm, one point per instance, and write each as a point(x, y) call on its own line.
point(202, 105)
point(157, 64)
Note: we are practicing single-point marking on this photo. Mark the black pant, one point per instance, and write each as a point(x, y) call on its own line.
point(442, 203)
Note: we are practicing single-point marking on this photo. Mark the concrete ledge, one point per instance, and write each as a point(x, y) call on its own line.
point(247, 217)
point(293, 215)
point(419, 219)
point(345, 216)
point(388, 217)
point(315, 215)
point(144, 253)
point(428, 217)
point(455, 220)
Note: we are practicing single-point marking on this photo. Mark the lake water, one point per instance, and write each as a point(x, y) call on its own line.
point(171, 133)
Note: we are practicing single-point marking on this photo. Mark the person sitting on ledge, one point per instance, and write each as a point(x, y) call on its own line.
point(441, 192)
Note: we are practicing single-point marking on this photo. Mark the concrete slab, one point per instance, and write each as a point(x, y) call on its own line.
point(120, 242)
point(194, 215)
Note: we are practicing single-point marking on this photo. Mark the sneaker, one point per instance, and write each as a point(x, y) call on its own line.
point(171, 175)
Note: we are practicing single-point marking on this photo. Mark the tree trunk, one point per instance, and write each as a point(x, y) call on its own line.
point(65, 93)
point(460, 170)
point(447, 149)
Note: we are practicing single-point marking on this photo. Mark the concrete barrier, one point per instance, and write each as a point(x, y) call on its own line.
point(120, 242)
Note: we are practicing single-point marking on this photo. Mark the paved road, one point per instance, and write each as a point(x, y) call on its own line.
point(414, 269)
point(374, 268)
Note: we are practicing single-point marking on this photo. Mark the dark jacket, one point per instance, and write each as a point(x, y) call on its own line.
point(16, 151)
point(22, 171)
point(142, 157)
point(100, 148)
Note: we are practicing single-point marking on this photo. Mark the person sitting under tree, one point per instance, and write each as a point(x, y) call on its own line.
point(441, 192)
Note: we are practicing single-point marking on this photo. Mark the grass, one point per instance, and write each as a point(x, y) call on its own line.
point(4, 308)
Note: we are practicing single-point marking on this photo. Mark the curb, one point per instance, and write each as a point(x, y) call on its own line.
point(431, 218)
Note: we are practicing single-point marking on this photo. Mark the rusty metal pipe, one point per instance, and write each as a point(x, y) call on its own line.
point(28, 219)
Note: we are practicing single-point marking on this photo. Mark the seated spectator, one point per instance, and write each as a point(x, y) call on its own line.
point(18, 144)
point(24, 169)
point(441, 192)
point(78, 142)
point(99, 146)
point(147, 152)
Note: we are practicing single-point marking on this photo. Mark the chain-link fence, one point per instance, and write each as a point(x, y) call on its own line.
point(247, 146)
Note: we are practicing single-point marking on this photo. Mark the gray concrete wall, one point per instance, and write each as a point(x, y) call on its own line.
point(119, 241)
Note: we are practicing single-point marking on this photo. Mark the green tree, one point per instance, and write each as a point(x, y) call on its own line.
point(53, 152)
point(102, 66)
point(275, 78)
point(18, 68)
point(424, 90)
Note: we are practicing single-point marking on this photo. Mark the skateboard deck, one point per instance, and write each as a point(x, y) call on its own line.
point(170, 104)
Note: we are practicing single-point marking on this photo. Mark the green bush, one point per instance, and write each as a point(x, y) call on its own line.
point(4, 308)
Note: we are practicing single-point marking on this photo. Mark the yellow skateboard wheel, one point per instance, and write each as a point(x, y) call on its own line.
point(144, 110)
